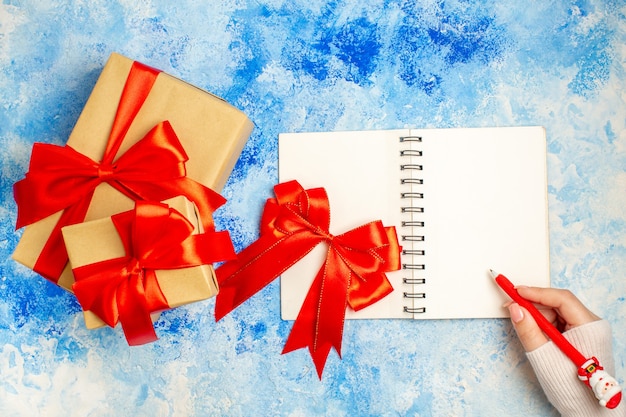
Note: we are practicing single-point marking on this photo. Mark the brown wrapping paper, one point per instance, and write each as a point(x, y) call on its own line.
point(212, 132)
point(98, 240)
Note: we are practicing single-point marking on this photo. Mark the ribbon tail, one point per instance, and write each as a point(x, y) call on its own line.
point(53, 257)
point(134, 313)
point(216, 246)
point(319, 325)
point(319, 357)
point(195, 250)
point(303, 332)
point(255, 267)
point(205, 199)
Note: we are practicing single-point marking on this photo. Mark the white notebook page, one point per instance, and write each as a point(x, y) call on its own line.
point(485, 206)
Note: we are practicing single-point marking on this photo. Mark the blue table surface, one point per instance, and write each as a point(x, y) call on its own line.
point(315, 66)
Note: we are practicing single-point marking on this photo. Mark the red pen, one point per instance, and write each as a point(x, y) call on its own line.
point(604, 387)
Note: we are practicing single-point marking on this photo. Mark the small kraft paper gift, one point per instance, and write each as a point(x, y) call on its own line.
point(143, 135)
point(131, 266)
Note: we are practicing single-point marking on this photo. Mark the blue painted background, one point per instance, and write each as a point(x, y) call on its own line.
point(316, 65)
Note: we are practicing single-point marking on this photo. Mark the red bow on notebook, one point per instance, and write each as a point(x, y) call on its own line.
point(353, 273)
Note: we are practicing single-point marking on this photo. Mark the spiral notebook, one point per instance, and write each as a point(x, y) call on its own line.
point(462, 201)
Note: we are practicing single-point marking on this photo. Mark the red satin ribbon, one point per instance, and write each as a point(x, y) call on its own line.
point(60, 178)
point(126, 289)
point(353, 273)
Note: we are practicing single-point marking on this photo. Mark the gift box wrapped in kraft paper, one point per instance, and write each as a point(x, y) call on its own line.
point(143, 135)
point(131, 266)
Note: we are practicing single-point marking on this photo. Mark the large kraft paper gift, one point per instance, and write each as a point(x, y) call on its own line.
point(138, 122)
point(135, 264)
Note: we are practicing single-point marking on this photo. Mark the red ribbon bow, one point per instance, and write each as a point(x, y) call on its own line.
point(126, 289)
point(353, 273)
point(60, 178)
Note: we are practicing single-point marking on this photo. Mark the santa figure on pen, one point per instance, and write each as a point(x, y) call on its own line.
point(604, 386)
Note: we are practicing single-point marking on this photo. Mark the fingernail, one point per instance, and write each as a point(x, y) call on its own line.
point(516, 312)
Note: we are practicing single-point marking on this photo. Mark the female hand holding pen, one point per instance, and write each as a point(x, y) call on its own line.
point(560, 307)
point(583, 329)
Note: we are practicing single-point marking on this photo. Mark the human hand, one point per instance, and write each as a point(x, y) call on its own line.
point(562, 308)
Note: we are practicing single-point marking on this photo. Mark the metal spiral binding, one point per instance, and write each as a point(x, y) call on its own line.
point(414, 295)
point(412, 310)
point(410, 152)
point(415, 267)
point(411, 238)
point(412, 195)
point(408, 234)
point(413, 224)
point(412, 209)
point(417, 181)
point(415, 167)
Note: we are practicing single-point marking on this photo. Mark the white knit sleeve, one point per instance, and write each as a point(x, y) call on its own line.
point(558, 375)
